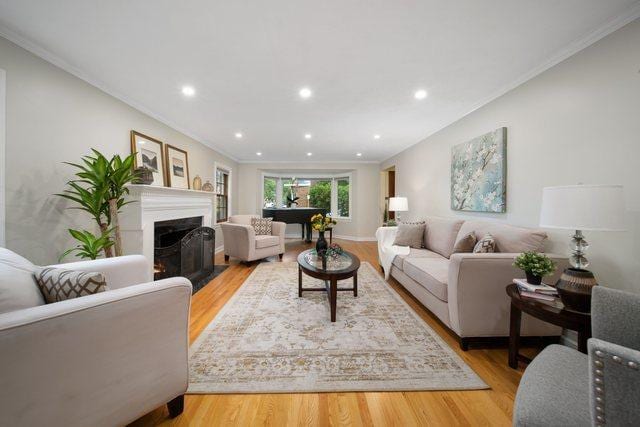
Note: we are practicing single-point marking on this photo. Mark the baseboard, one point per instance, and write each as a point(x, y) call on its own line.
point(336, 236)
point(219, 249)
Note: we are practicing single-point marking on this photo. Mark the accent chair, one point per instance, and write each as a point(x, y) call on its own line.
point(241, 241)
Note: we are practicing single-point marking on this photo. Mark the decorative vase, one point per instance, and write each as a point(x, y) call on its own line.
point(574, 287)
point(207, 186)
point(321, 244)
point(145, 175)
point(532, 278)
point(197, 183)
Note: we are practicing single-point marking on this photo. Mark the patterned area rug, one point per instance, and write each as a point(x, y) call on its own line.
point(267, 340)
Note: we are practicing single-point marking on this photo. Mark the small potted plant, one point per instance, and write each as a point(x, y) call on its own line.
point(322, 223)
point(535, 266)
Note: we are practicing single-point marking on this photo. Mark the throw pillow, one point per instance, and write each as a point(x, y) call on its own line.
point(409, 235)
point(485, 245)
point(466, 244)
point(58, 284)
point(262, 226)
point(18, 289)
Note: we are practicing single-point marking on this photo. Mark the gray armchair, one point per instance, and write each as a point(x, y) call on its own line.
point(563, 387)
point(240, 240)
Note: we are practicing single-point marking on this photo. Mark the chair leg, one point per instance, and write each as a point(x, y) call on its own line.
point(226, 258)
point(176, 406)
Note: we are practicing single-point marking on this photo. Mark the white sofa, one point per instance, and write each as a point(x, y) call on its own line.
point(466, 291)
point(240, 240)
point(98, 360)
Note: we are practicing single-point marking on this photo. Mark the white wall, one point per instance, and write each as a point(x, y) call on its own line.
point(365, 217)
point(578, 122)
point(53, 117)
point(2, 154)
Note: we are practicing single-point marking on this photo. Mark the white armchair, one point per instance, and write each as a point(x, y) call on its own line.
point(240, 240)
point(103, 359)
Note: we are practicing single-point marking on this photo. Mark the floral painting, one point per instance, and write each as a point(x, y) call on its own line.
point(479, 173)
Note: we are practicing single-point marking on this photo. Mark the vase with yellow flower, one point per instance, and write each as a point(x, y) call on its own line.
point(322, 223)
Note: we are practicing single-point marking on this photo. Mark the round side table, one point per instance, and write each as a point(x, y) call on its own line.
point(553, 313)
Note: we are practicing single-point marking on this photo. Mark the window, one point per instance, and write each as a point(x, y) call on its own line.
point(222, 195)
point(331, 192)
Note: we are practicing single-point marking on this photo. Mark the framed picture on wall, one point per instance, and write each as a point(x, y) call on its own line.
point(150, 154)
point(177, 167)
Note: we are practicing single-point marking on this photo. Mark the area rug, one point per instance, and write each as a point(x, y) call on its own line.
point(267, 340)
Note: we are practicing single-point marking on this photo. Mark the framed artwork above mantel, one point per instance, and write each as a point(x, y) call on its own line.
point(149, 153)
point(177, 167)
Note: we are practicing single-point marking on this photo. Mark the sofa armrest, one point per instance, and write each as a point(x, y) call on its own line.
point(239, 240)
point(615, 316)
point(614, 381)
point(279, 229)
point(478, 303)
point(118, 271)
point(103, 359)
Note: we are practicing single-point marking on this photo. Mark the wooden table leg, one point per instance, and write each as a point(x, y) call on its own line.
point(514, 336)
point(355, 284)
point(583, 336)
point(334, 297)
point(299, 281)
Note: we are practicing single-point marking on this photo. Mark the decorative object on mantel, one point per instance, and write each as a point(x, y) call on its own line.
point(145, 175)
point(177, 167)
point(398, 204)
point(100, 190)
point(207, 186)
point(149, 153)
point(322, 223)
point(579, 208)
point(535, 266)
point(479, 173)
point(197, 183)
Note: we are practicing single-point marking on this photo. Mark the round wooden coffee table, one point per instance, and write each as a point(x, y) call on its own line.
point(551, 312)
point(342, 267)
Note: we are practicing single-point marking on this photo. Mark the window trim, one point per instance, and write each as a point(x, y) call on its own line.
point(334, 177)
point(226, 169)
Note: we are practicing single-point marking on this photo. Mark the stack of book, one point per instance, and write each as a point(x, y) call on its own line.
point(542, 292)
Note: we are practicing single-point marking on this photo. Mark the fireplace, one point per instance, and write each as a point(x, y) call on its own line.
point(183, 247)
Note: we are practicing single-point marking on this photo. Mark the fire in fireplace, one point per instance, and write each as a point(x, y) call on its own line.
point(183, 247)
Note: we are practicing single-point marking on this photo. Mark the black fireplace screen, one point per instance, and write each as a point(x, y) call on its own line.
point(183, 247)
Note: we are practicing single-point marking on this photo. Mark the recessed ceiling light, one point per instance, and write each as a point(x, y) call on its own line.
point(309, 154)
point(359, 154)
point(307, 136)
point(420, 94)
point(188, 91)
point(376, 136)
point(238, 135)
point(258, 153)
point(305, 93)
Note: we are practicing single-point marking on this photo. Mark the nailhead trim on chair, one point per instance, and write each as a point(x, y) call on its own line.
point(599, 381)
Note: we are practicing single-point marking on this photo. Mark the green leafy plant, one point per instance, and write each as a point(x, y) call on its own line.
point(100, 189)
point(89, 246)
point(535, 263)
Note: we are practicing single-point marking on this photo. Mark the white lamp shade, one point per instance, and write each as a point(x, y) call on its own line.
point(583, 207)
point(398, 204)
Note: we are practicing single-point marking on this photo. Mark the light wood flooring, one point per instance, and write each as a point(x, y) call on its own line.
point(431, 408)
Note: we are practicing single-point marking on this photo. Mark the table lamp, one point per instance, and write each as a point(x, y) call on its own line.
point(581, 208)
point(398, 204)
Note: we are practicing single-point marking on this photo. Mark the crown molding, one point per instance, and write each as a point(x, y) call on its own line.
point(568, 51)
point(310, 162)
point(46, 55)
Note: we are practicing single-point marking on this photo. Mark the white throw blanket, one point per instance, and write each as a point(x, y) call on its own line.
point(387, 251)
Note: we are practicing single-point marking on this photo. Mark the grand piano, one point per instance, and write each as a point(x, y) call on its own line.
point(300, 216)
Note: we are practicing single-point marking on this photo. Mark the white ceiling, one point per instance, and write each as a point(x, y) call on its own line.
point(363, 59)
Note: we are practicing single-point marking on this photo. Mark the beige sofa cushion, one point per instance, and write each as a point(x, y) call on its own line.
point(18, 287)
point(431, 273)
point(410, 235)
point(440, 234)
point(264, 241)
point(507, 237)
point(398, 261)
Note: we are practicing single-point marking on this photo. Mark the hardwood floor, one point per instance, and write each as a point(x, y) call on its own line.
point(432, 408)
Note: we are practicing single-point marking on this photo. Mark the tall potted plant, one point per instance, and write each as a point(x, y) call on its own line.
point(100, 189)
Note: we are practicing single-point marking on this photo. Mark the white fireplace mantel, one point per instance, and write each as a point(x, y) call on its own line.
point(152, 204)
